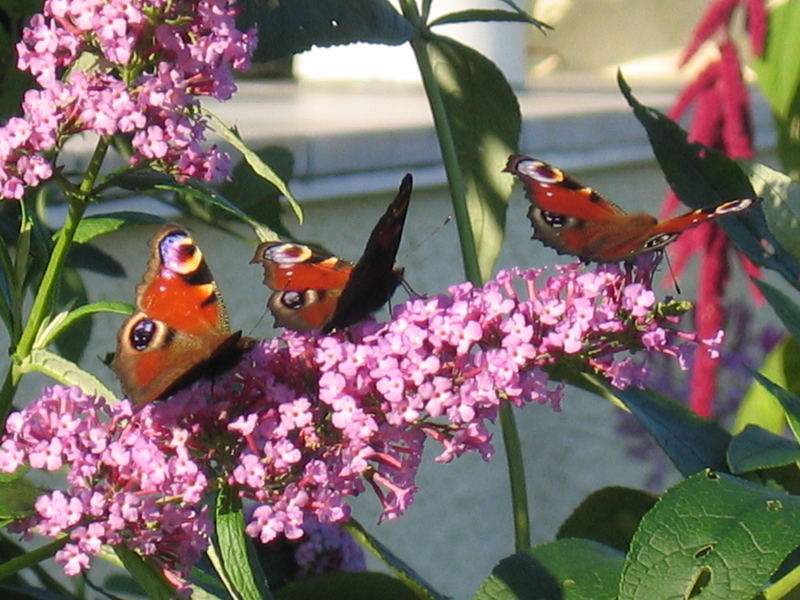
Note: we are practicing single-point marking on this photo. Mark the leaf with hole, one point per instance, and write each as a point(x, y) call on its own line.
point(712, 536)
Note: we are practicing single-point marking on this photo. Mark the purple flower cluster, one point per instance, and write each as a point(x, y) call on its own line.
point(305, 421)
point(150, 59)
point(326, 547)
point(129, 481)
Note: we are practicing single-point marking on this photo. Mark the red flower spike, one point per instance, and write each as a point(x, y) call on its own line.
point(752, 271)
point(736, 130)
point(717, 16)
point(705, 80)
point(757, 19)
point(709, 313)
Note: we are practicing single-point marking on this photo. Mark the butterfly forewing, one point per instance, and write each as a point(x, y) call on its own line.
point(374, 278)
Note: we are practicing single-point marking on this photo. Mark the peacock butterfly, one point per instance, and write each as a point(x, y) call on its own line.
point(318, 291)
point(180, 330)
point(574, 219)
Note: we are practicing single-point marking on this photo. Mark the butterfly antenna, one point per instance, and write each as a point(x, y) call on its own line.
point(258, 321)
point(672, 273)
point(410, 290)
point(428, 237)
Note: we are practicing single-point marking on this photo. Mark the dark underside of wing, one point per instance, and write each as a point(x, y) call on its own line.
point(374, 278)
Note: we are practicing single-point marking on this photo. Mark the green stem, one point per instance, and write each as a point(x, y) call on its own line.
point(783, 587)
point(31, 558)
point(447, 145)
point(42, 302)
point(469, 254)
point(516, 475)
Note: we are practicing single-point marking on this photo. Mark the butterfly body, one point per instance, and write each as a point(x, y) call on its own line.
point(318, 291)
point(180, 328)
point(574, 219)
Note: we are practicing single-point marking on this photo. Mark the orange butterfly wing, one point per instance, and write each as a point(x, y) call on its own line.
point(180, 330)
point(316, 291)
point(574, 219)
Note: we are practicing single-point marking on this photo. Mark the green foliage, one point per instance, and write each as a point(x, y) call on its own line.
point(689, 441)
point(346, 586)
point(758, 406)
point(485, 129)
point(287, 27)
point(702, 526)
point(712, 535)
point(779, 79)
point(701, 176)
point(237, 565)
point(608, 516)
point(567, 569)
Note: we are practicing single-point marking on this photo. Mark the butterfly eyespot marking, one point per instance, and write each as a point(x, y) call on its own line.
point(141, 334)
point(540, 171)
point(144, 333)
point(735, 206)
point(557, 221)
point(286, 253)
point(180, 254)
point(660, 240)
point(292, 300)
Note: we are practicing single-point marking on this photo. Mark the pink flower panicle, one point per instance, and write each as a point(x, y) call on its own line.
point(306, 421)
point(128, 480)
point(154, 60)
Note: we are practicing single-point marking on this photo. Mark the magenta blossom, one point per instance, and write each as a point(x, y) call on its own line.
point(307, 420)
point(152, 60)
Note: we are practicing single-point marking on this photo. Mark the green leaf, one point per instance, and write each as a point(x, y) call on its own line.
point(32, 557)
point(786, 309)
point(286, 27)
point(777, 70)
point(486, 130)
point(145, 574)
point(790, 403)
point(711, 536)
point(62, 321)
point(346, 586)
point(691, 442)
point(759, 407)
point(701, 176)
point(72, 291)
point(781, 204)
point(407, 575)
point(241, 572)
point(200, 191)
point(254, 160)
point(93, 226)
point(756, 448)
point(65, 372)
point(568, 569)
point(608, 516)
point(484, 14)
point(17, 498)
point(255, 195)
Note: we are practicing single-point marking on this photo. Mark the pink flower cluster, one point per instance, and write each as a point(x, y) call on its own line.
point(305, 421)
point(129, 481)
point(151, 59)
